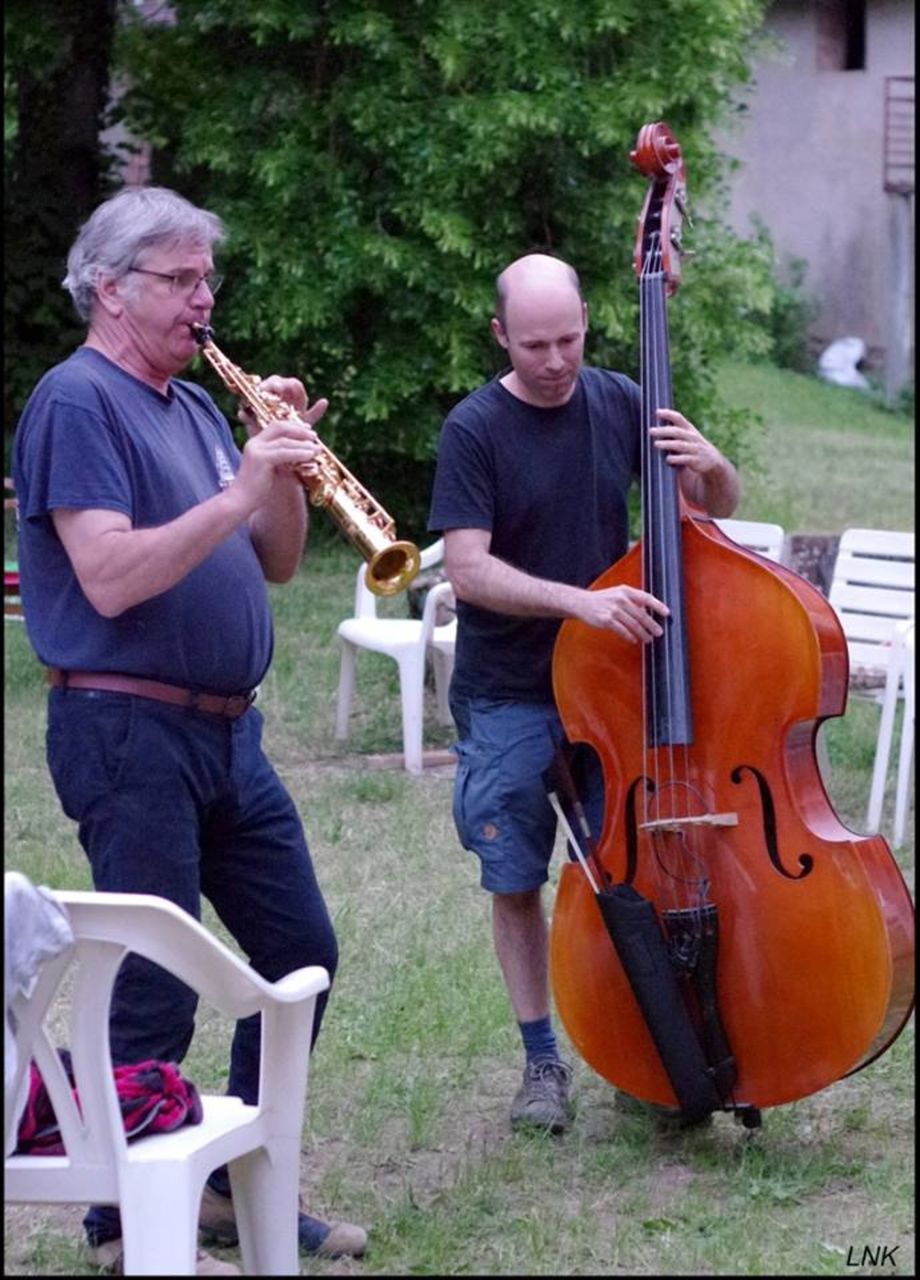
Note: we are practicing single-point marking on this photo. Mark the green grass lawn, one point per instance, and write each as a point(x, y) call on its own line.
point(407, 1125)
point(826, 458)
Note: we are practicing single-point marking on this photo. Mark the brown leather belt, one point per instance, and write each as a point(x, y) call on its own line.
point(214, 704)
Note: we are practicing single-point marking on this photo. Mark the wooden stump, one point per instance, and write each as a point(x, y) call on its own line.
point(813, 555)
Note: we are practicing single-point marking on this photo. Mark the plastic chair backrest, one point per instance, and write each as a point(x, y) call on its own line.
point(872, 589)
point(899, 683)
point(757, 535)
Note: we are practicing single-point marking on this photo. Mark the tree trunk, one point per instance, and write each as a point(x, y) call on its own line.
point(55, 176)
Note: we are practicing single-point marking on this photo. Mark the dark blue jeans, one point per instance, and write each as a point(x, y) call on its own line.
point(180, 804)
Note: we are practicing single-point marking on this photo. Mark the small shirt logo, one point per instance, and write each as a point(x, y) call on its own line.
point(224, 469)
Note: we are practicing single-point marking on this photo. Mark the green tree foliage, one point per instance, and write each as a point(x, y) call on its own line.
point(377, 162)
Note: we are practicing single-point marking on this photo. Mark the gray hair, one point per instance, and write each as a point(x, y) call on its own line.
point(135, 219)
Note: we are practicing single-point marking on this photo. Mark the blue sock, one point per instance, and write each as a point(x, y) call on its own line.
point(539, 1039)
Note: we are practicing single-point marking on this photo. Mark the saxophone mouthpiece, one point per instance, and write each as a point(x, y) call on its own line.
point(202, 333)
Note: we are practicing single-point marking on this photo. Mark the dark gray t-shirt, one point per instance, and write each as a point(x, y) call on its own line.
point(550, 485)
point(94, 436)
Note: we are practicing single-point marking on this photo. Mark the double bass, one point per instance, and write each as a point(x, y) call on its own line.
point(723, 941)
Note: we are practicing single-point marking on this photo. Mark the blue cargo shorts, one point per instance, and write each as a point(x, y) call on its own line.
point(500, 807)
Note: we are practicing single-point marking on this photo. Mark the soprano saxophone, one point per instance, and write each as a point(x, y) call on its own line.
point(391, 564)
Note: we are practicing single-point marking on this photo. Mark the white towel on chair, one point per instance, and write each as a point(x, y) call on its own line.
point(36, 928)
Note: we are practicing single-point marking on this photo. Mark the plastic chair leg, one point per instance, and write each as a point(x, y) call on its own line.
point(883, 747)
point(443, 667)
point(159, 1219)
point(905, 760)
point(346, 688)
point(411, 689)
point(266, 1203)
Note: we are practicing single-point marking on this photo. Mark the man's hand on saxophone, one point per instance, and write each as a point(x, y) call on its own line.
point(292, 392)
point(276, 460)
point(289, 429)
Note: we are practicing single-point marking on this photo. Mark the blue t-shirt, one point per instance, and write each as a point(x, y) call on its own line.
point(550, 485)
point(93, 436)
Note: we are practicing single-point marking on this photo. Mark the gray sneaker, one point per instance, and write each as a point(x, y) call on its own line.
point(542, 1102)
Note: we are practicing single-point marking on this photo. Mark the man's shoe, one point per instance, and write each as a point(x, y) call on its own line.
point(336, 1239)
point(542, 1102)
point(217, 1223)
point(110, 1258)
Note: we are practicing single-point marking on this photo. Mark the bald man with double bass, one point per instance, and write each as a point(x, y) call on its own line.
point(530, 493)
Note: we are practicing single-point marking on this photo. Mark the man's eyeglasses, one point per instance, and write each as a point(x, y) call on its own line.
point(184, 281)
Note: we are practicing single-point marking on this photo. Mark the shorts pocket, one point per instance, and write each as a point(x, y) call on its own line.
point(475, 790)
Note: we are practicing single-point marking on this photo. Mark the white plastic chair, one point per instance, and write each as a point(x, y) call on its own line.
point(410, 642)
point(900, 681)
point(872, 590)
point(757, 535)
point(157, 1180)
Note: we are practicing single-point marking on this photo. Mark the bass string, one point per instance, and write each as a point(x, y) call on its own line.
point(657, 692)
point(668, 766)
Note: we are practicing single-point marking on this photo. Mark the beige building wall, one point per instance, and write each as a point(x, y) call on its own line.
point(810, 148)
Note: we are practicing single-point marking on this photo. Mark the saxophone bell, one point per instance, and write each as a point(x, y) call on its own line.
point(392, 569)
